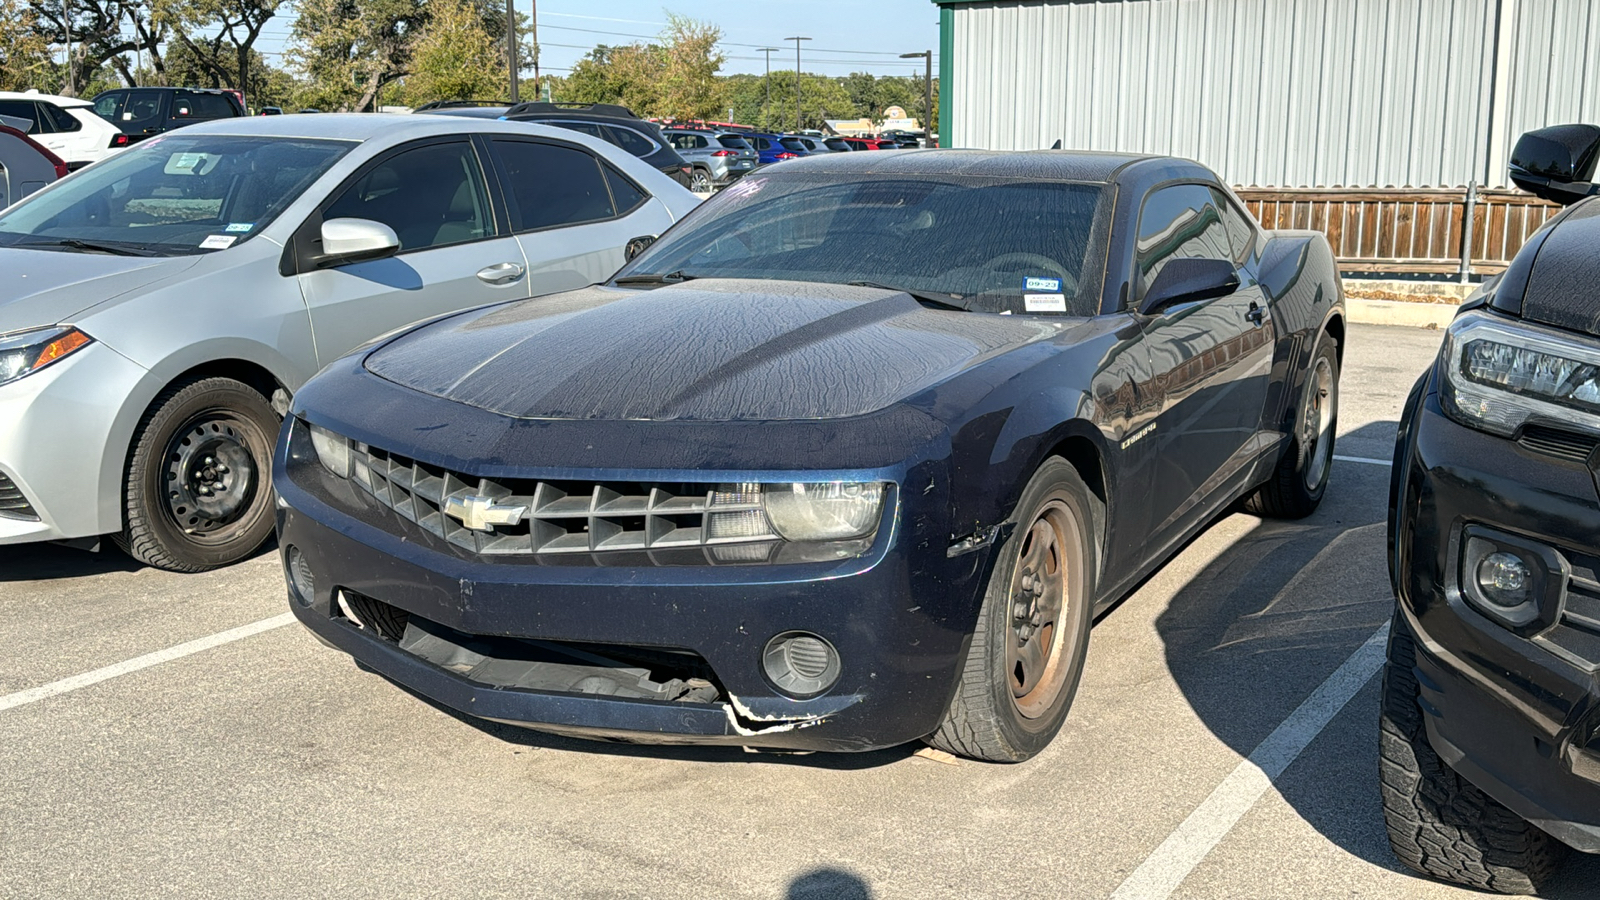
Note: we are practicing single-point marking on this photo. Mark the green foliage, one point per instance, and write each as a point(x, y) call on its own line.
point(456, 58)
point(24, 50)
point(821, 98)
point(675, 77)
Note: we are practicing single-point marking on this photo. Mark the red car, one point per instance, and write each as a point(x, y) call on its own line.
point(25, 166)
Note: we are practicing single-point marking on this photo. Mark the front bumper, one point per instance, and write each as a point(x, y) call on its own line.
point(900, 618)
point(62, 445)
point(1516, 715)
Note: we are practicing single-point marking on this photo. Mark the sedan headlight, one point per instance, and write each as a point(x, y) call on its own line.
point(1498, 376)
point(26, 352)
point(825, 511)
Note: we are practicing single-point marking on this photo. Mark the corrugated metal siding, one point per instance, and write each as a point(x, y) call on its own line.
point(1287, 93)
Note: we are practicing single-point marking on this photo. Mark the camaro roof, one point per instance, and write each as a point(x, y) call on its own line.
point(354, 126)
point(1067, 165)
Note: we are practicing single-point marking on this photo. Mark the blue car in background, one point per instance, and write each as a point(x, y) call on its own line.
point(774, 148)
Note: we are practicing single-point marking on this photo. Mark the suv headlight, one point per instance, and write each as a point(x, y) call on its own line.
point(1499, 376)
point(26, 352)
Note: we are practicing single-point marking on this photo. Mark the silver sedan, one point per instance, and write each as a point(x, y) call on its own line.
point(158, 310)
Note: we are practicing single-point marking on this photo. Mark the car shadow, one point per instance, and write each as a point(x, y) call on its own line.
point(45, 562)
point(829, 883)
point(1258, 629)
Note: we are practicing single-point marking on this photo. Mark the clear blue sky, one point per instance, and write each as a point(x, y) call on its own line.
point(846, 35)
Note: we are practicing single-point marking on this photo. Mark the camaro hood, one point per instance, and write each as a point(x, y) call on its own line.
point(47, 287)
point(703, 350)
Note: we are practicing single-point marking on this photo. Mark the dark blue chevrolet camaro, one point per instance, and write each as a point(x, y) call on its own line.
point(850, 457)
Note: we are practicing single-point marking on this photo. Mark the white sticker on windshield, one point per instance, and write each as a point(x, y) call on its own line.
point(239, 227)
point(1051, 285)
point(1044, 302)
point(218, 242)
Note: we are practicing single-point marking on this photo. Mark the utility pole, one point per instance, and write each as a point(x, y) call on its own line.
point(535, 22)
point(66, 26)
point(927, 96)
point(797, 41)
point(511, 47)
point(768, 82)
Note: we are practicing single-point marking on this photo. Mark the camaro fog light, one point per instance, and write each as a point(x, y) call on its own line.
point(826, 511)
point(1505, 579)
point(801, 664)
point(333, 450)
point(301, 584)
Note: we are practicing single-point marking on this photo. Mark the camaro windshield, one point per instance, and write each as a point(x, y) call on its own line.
point(173, 195)
point(999, 245)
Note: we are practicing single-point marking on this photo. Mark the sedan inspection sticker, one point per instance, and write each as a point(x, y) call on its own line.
point(1044, 302)
point(218, 242)
point(1048, 285)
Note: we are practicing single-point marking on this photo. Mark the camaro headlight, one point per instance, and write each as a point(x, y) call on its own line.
point(1500, 375)
point(26, 352)
point(333, 450)
point(823, 511)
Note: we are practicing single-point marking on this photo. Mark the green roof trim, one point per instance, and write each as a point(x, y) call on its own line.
point(947, 40)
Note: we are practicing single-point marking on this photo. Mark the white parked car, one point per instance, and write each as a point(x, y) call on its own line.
point(67, 126)
point(158, 309)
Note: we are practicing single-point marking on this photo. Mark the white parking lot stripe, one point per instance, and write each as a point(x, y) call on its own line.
point(1161, 873)
point(33, 695)
point(1364, 459)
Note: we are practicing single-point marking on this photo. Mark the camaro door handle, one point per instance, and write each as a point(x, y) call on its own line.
point(500, 273)
point(1256, 313)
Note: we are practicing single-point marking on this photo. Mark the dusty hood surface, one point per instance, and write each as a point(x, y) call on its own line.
point(712, 350)
point(1561, 286)
point(48, 287)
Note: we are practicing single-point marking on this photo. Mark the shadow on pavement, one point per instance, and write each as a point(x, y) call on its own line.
point(1259, 628)
point(41, 562)
point(829, 884)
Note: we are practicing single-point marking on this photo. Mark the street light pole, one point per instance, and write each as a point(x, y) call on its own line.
point(66, 26)
point(797, 41)
point(511, 46)
point(768, 81)
point(927, 95)
point(535, 32)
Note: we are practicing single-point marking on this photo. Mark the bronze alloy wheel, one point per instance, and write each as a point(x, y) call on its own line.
point(1042, 613)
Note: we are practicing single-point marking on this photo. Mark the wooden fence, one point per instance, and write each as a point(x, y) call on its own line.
point(1414, 231)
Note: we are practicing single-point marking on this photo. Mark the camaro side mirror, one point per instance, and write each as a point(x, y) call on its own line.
point(637, 246)
point(1189, 280)
point(1557, 163)
point(356, 240)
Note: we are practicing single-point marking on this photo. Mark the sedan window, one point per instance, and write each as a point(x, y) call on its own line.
point(552, 185)
point(431, 196)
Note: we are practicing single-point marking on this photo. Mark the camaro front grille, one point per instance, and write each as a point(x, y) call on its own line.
point(12, 504)
point(713, 523)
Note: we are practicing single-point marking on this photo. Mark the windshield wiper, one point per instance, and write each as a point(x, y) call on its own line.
point(92, 246)
point(669, 278)
point(943, 301)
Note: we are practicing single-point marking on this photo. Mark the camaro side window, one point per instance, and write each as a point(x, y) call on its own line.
point(431, 196)
point(1240, 234)
point(1178, 221)
point(552, 185)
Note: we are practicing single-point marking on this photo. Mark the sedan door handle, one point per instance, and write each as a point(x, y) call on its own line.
point(500, 273)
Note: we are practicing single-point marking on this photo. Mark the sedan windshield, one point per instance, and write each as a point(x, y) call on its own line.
point(172, 195)
point(998, 245)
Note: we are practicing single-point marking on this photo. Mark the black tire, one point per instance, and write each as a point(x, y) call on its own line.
point(213, 515)
point(1439, 823)
point(988, 719)
point(700, 181)
point(1301, 478)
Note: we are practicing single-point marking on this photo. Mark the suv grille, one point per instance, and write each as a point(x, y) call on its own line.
point(12, 504)
point(575, 517)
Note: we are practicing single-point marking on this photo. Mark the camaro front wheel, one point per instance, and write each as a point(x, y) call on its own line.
point(1033, 630)
point(198, 493)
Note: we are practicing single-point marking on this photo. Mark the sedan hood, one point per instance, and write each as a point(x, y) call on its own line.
point(48, 287)
point(710, 350)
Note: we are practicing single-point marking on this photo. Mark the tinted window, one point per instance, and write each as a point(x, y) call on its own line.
point(142, 110)
point(624, 193)
point(431, 196)
point(793, 144)
point(1178, 221)
point(1241, 235)
point(763, 144)
point(736, 143)
point(589, 128)
point(552, 185)
point(21, 109)
point(201, 106)
point(631, 141)
point(60, 118)
point(836, 144)
point(107, 106)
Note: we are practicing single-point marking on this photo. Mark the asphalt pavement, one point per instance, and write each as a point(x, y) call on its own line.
point(1223, 744)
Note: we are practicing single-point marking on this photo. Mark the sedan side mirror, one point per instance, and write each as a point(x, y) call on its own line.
point(1557, 163)
point(356, 240)
point(1189, 280)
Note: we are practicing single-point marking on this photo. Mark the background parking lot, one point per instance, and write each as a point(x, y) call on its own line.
point(258, 763)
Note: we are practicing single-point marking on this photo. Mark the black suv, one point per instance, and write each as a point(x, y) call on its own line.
point(613, 124)
point(1490, 730)
point(145, 111)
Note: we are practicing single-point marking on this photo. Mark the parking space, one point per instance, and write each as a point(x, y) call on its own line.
point(270, 766)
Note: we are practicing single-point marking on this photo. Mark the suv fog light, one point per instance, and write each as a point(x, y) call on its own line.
point(302, 585)
point(801, 664)
point(1505, 579)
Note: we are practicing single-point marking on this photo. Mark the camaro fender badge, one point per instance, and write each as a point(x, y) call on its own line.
point(483, 513)
point(1139, 435)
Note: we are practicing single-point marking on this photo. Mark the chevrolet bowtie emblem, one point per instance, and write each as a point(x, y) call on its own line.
point(483, 513)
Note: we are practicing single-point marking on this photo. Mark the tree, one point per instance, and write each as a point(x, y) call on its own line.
point(218, 34)
point(821, 98)
point(96, 31)
point(351, 49)
point(24, 52)
point(455, 58)
point(676, 76)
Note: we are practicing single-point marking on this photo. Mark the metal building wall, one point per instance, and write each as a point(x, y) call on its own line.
point(1282, 93)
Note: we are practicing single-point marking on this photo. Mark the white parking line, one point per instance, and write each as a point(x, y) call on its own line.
point(33, 695)
point(1161, 873)
point(1365, 459)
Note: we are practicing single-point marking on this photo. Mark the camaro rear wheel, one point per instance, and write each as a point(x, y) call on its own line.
point(1033, 630)
point(1296, 487)
point(1439, 823)
point(198, 493)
